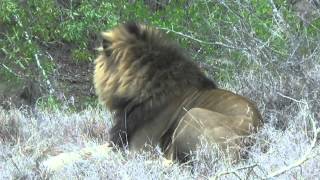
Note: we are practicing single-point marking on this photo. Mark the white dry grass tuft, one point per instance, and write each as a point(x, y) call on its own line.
point(285, 84)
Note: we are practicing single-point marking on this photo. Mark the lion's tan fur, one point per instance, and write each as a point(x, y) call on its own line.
point(160, 96)
point(109, 83)
point(151, 84)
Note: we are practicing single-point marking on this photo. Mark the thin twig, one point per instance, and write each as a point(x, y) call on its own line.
point(292, 99)
point(232, 171)
point(199, 40)
point(10, 70)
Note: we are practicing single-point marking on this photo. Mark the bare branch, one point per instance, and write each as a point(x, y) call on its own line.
point(10, 70)
point(292, 99)
point(199, 40)
point(232, 171)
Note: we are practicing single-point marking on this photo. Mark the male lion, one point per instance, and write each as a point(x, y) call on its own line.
point(160, 97)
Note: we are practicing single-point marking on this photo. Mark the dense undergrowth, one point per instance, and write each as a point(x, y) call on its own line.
point(286, 147)
point(256, 48)
point(39, 38)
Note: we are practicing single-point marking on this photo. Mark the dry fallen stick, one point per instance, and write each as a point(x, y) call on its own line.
point(233, 171)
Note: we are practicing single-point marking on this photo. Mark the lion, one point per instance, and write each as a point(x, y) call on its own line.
point(159, 96)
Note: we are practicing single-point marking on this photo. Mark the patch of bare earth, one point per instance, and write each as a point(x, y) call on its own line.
point(73, 80)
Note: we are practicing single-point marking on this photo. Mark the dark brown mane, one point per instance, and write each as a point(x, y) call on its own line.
point(164, 69)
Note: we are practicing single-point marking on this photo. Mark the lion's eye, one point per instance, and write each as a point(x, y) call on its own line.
point(106, 47)
point(108, 52)
point(106, 44)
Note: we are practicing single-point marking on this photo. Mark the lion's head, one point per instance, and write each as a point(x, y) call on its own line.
point(138, 63)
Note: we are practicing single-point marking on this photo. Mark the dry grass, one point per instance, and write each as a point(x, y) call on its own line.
point(285, 84)
point(284, 148)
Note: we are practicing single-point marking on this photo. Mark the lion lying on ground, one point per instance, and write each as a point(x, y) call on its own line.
point(160, 97)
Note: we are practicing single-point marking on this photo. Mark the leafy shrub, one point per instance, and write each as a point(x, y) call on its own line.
point(223, 36)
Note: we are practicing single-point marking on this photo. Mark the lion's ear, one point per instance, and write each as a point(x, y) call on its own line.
point(135, 29)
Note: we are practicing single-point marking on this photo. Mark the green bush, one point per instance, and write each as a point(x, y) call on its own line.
point(211, 30)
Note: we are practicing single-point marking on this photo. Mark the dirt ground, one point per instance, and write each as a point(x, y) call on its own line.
point(71, 80)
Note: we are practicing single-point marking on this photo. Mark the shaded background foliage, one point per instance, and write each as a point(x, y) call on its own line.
point(47, 47)
point(267, 50)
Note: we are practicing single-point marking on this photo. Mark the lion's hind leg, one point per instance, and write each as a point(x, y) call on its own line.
point(217, 128)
